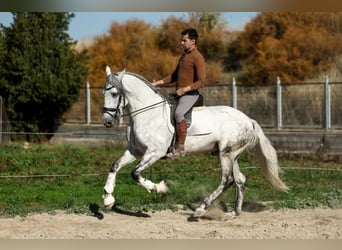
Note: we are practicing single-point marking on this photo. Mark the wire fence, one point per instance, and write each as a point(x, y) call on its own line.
point(282, 105)
point(315, 105)
point(151, 173)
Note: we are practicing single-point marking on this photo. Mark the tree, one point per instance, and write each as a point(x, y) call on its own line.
point(214, 36)
point(294, 46)
point(42, 73)
point(131, 45)
point(213, 39)
point(153, 51)
point(2, 54)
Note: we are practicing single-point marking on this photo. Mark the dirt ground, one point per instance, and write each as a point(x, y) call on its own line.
point(316, 223)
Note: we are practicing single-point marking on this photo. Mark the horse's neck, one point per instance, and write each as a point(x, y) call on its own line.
point(139, 95)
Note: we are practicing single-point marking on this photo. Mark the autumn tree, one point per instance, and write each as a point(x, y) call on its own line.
point(168, 34)
point(153, 51)
point(214, 35)
point(293, 46)
point(131, 46)
point(212, 43)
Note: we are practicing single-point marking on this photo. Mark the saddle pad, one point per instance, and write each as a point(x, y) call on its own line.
point(200, 123)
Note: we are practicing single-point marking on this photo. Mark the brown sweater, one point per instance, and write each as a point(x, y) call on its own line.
point(190, 71)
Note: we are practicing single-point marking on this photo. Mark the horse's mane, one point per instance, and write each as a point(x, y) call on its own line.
point(148, 83)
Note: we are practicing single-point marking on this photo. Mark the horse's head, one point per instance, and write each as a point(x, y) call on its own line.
point(114, 99)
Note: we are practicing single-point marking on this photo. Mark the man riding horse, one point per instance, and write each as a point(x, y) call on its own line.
point(189, 76)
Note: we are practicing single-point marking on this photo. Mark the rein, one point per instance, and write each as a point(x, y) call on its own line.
point(144, 108)
point(117, 112)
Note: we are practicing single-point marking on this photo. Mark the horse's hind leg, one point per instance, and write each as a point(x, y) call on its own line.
point(240, 182)
point(125, 159)
point(226, 181)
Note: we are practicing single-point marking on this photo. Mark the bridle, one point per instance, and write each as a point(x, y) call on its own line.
point(116, 112)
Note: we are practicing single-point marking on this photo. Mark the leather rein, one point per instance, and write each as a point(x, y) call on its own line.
point(116, 112)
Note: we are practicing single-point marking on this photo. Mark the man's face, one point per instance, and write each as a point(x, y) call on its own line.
point(186, 43)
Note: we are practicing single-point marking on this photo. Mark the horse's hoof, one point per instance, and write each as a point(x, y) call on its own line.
point(199, 212)
point(161, 187)
point(231, 215)
point(108, 201)
point(235, 213)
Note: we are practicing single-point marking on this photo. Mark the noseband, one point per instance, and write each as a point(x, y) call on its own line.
point(114, 112)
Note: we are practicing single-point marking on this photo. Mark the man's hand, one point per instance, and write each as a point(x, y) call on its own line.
point(182, 91)
point(156, 83)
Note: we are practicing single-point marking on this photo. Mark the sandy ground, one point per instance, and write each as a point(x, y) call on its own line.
point(266, 224)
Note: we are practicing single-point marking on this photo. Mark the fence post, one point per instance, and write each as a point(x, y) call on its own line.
point(234, 94)
point(279, 104)
point(327, 104)
point(0, 119)
point(88, 105)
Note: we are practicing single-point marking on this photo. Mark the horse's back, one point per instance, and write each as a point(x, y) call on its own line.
point(217, 113)
point(212, 119)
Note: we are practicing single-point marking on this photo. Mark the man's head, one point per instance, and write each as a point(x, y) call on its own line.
point(189, 39)
point(192, 34)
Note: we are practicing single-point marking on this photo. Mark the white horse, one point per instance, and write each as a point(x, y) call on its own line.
point(220, 129)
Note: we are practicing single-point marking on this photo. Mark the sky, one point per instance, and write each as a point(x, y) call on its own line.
point(87, 25)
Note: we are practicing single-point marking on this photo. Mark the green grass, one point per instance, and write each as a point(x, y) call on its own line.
point(44, 178)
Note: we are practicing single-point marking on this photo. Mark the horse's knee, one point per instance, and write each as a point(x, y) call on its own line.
point(241, 180)
point(114, 167)
point(230, 181)
point(135, 175)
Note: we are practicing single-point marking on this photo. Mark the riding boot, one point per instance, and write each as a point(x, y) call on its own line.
point(181, 128)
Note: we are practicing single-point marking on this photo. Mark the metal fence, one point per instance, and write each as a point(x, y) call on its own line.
point(315, 105)
point(4, 124)
point(295, 105)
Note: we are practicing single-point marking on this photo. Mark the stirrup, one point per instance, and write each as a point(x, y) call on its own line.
point(178, 153)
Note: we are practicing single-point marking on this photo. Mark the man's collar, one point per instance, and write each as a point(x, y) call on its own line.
point(189, 51)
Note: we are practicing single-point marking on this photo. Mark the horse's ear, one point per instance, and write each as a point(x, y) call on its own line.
point(108, 71)
point(120, 76)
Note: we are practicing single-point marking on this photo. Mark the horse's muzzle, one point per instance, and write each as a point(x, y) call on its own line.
point(108, 116)
point(107, 120)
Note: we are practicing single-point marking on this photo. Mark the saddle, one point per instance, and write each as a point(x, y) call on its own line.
point(173, 100)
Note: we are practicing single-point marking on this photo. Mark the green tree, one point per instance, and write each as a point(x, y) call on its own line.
point(42, 72)
point(2, 53)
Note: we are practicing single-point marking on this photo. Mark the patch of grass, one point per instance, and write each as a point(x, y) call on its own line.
point(71, 178)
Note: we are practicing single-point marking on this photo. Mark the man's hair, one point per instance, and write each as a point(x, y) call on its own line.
point(192, 33)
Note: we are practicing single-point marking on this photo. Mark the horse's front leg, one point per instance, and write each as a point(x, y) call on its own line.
point(147, 160)
point(124, 160)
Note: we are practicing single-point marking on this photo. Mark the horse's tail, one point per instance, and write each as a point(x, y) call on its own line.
point(268, 160)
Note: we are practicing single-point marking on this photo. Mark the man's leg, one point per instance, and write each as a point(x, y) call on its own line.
point(184, 104)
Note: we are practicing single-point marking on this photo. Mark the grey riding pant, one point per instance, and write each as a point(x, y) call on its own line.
point(185, 102)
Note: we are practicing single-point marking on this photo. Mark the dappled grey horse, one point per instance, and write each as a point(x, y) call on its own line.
point(220, 129)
